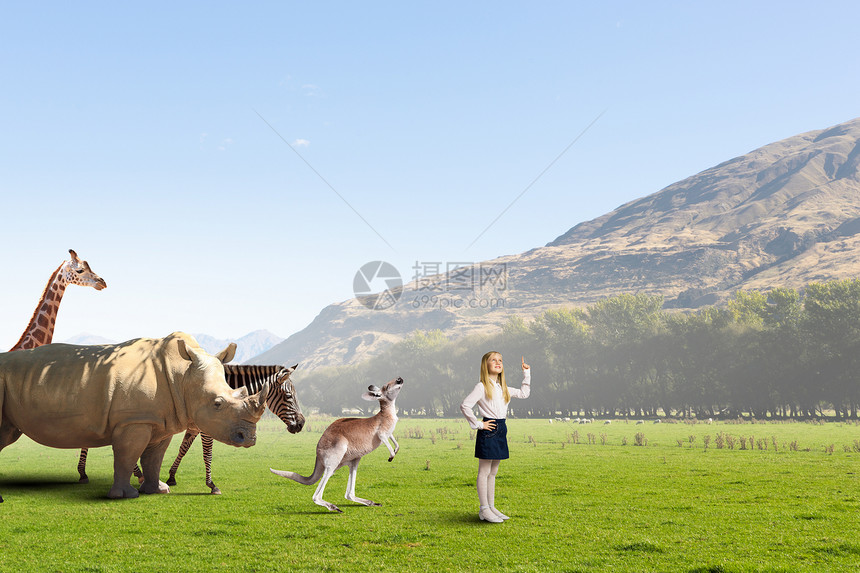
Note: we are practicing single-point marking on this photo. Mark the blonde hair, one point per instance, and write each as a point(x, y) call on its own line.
point(488, 384)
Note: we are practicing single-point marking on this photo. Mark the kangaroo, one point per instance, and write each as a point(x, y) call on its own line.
point(346, 440)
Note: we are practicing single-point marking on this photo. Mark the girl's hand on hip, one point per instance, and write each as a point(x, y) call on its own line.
point(489, 425)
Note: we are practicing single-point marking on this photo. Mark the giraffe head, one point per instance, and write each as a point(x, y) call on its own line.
point(78, 272)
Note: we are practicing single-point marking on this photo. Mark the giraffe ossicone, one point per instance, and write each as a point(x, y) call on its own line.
point(41, 328)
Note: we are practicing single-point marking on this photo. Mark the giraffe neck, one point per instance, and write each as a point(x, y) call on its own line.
point(41, 328)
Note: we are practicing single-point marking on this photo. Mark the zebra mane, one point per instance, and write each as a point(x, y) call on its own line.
point(252, 376)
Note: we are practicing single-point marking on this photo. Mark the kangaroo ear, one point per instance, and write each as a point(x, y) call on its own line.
point(372, 394)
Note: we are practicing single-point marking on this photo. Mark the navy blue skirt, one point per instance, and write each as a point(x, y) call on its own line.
point(492, 444)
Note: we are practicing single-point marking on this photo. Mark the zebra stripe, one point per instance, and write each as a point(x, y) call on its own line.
point(281, 400)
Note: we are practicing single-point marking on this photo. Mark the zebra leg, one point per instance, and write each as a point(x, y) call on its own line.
point(207, 461)
point(183, 449)
point(137, 473)
point(82, 467)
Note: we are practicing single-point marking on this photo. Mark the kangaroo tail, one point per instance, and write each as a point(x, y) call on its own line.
point(313, 478)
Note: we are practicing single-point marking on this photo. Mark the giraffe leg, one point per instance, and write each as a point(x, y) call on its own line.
point(82, 467)
point(207, 461)
point(183, 449)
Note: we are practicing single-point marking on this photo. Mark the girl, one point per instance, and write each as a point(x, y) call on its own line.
point(492, 395)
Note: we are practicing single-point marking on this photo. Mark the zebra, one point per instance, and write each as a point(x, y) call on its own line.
point(281, 401)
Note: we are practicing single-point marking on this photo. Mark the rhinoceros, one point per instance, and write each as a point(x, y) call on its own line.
point(133, 396)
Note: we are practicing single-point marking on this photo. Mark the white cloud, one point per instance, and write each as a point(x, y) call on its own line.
point(301, 143)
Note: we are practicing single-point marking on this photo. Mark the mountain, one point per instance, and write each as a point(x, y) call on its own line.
point(785, 214)
point(248, 346)
point(88, 339)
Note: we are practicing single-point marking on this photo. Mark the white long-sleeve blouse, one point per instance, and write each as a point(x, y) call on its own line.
point(495, 408)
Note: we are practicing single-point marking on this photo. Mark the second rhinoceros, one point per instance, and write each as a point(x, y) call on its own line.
point(133, 396)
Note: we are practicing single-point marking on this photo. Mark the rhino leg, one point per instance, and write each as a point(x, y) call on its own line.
point(129, 442)
point(9, 434)
point(151, 461)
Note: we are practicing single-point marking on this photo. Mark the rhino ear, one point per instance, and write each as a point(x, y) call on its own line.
point(183, 350)
point(188, 352)
point(227, 354)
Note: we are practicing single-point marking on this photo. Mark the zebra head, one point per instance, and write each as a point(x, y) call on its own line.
point(283, 403)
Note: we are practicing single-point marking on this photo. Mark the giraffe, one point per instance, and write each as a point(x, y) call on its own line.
point(41, 328)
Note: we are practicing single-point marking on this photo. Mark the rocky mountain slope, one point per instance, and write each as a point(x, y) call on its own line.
point(252, 344)
point(785, 214)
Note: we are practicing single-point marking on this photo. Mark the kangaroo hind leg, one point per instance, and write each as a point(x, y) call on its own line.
point(350, 486)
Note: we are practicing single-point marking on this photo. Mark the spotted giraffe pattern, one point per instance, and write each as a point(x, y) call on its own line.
point(41, 328)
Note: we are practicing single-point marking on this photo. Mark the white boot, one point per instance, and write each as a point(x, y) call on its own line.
point(486, 514)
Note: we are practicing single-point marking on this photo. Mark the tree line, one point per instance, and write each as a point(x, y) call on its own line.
point(776, 354)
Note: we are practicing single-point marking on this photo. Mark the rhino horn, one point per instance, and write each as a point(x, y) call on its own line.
point(258, 400)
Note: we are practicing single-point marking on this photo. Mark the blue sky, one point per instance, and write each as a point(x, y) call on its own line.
point(153, 140)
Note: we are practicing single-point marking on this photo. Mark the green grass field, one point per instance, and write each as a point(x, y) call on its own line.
point(670, 505)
